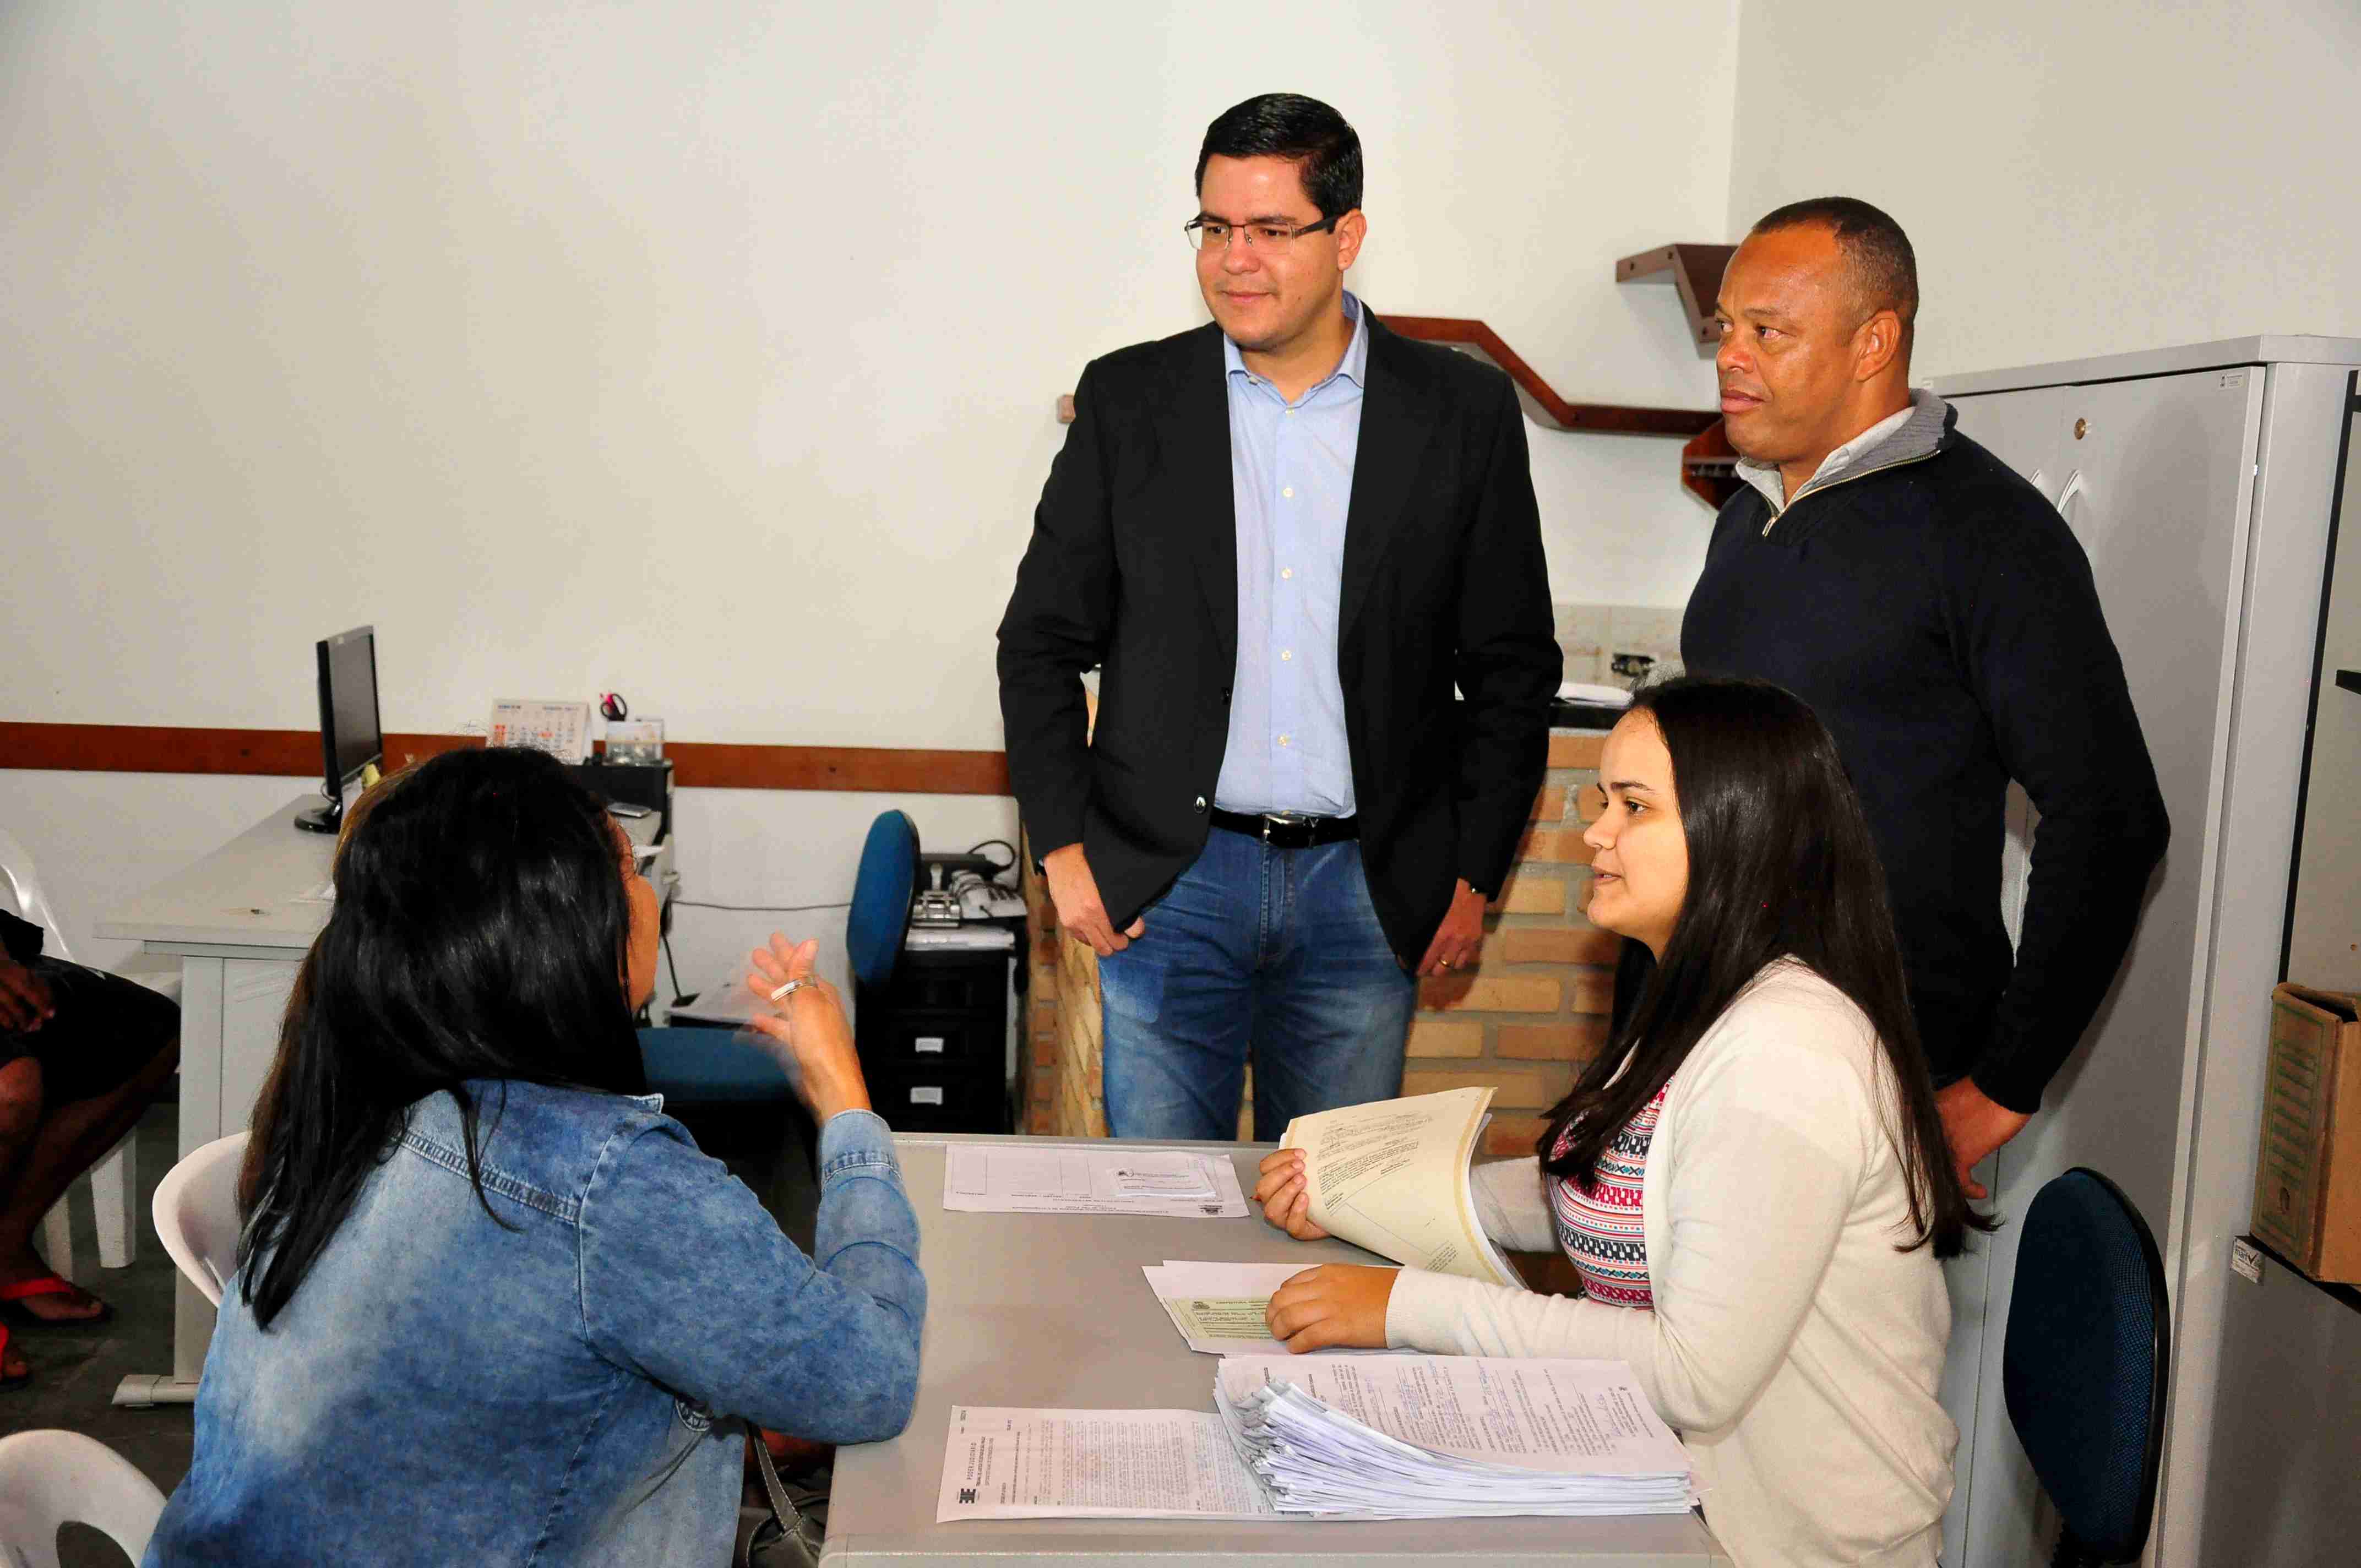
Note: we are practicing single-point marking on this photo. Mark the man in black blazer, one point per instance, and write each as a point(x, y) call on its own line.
point(1283, 538)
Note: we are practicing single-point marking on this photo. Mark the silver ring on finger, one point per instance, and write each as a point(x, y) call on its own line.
point(791, 988)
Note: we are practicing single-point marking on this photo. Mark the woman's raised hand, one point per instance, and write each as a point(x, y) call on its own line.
point(1285, 1193)
point(807, 1028)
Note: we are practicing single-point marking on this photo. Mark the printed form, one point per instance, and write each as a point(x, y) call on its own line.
point(1220, 1308)
point(1017, 1465)
point(979, 1178)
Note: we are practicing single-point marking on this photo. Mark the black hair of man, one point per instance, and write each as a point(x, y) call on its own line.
point(1884, 268)
point(1302, 130)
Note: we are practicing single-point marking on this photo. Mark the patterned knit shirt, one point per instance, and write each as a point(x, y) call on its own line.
point(1598, 1225)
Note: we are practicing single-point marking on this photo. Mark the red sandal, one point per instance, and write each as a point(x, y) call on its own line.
point(23, 1317)
point(21, 1378)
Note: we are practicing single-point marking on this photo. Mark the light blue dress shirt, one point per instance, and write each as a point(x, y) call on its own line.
point(1292, 477)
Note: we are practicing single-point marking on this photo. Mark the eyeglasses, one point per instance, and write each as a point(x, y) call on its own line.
point(1212, 234)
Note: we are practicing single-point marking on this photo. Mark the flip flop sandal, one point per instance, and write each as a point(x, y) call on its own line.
point(19, 1316)
point(22, 1378)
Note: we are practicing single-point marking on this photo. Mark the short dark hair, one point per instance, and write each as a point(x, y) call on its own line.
point(1303, 130)
point(480, 932)
point(1885, 269)
point(1781, 866)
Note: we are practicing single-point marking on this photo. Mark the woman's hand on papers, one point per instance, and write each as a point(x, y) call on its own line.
point(807, 1031)
point(1334, 1304)
point(1286, 1196)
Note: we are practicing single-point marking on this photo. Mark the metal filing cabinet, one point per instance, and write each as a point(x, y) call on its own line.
point(934, 1042)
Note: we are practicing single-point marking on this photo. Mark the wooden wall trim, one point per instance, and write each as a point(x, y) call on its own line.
point(1541, 401)
point(295, 753)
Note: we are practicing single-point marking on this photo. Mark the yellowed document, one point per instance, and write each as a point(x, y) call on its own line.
point(1391, 1176)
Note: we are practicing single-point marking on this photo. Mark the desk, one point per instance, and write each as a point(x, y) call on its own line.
point(1049, 1312)
point(238, 924)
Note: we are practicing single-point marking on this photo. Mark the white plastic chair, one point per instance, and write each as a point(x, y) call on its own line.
point(196, 1213)
point(115, 1180)
point(49, 1478)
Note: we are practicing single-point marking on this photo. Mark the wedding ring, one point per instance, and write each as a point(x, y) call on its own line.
point(791, 988)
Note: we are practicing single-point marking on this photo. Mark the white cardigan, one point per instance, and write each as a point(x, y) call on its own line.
point(1794, 1349)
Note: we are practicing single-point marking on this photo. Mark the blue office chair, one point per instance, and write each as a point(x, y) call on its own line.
point(2084, 1370)
point(710, 1067)
point(880, 899)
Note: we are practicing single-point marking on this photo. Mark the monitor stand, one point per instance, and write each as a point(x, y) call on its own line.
point(326, 818)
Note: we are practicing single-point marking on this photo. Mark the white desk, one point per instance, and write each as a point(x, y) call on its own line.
point(240, 928)
point(1049, 1311)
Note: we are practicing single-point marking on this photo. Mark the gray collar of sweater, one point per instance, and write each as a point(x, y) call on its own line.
point(1904, 436)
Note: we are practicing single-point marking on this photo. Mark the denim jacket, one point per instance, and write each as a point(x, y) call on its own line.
point(563, 1390)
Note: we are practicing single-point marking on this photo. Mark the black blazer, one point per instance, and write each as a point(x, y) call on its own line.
point(1133, 567)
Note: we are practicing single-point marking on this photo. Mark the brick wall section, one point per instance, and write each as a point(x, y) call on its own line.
point(1535, 1010)
point(1523, 1021)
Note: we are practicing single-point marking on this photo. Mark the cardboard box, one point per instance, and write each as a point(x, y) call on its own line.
point(2308, 1171)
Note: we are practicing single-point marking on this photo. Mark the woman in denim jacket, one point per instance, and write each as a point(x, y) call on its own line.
point(492, 1305)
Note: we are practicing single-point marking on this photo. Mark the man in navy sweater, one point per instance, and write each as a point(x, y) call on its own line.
point(1936, 611)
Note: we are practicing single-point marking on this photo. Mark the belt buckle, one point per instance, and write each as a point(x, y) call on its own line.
point(1274, 823)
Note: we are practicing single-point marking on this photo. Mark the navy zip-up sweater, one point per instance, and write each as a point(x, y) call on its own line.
point(1935, 612)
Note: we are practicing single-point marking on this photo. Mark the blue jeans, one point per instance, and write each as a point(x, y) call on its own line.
point(1272, 954)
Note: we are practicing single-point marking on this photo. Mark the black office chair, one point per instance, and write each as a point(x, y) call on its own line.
point(2089, 1342)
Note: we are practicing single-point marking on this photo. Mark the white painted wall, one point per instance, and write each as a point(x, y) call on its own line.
point(708, 350)
point(2079, 177)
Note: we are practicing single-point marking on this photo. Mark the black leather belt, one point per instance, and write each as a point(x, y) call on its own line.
point(1290, 832)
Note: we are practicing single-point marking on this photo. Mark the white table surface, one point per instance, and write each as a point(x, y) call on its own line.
point(1051, 1312)
point(241, 897)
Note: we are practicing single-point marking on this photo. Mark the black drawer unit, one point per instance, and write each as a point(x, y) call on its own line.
point(934, 1042)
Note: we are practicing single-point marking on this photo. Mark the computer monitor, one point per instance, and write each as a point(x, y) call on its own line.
point(350, 733)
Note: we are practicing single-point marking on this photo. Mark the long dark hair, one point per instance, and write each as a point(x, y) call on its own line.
point(481, 931)
point(1781, 866)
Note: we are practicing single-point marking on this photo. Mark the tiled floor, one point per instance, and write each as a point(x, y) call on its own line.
point(74, 1374)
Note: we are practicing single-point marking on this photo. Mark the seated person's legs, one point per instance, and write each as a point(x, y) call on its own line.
point(20, 1118)
point(97, 1061)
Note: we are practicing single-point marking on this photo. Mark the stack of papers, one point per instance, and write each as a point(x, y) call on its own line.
point(1391, 1176)
point(1109, 1179)
point(1448, 1437)
point(1363, 1437)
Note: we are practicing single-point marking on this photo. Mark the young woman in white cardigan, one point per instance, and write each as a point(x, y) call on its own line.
point(1751, 1182)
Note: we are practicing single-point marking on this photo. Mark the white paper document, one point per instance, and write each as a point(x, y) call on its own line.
point(1349, 1437)
point(1014, 1465)
point(1391, 1176)
point(1219, 1308)
point(1447, 1436)
point(1115, 1178)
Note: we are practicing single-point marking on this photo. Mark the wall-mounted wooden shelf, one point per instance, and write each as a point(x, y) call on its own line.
point(1541, 401)
point(1694, 271)
point(1710, 467)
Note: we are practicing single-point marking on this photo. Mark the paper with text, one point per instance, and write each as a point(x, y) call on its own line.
point(1566, 1417)
point(1391, 1176)
point(1219, 1308)
point(1010, 1464)
point(982, 1178)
